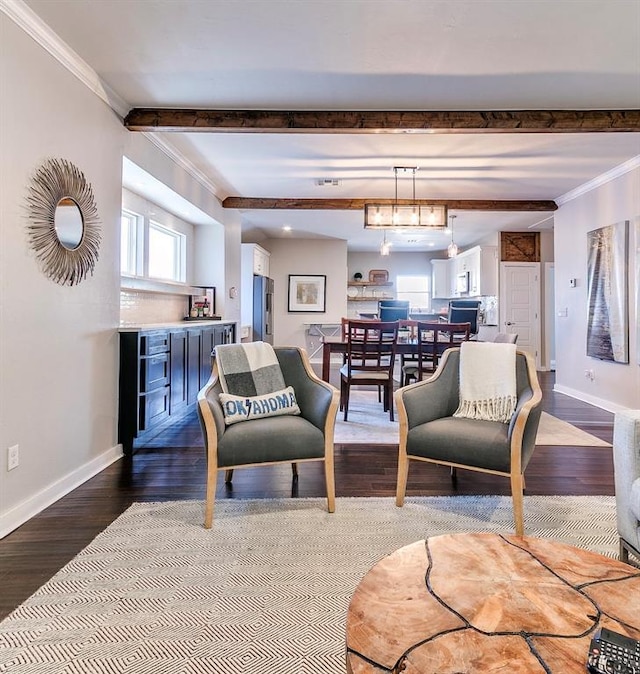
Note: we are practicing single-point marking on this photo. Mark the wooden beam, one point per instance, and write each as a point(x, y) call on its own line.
point(375, 121)
point(263, 203)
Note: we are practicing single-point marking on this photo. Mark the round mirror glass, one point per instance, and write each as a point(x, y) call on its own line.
point(68, 223)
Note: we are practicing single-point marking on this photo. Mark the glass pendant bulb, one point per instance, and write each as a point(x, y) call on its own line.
point(452, 249)
point(385, 246)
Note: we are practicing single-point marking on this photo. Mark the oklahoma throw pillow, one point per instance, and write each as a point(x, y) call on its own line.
point(243, 408)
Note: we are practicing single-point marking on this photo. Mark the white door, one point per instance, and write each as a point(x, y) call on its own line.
point(520, 304)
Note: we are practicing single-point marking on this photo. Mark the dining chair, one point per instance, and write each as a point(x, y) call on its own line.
point(433, 339)
point(506, 337)
point(371, 350)
point(463, 311)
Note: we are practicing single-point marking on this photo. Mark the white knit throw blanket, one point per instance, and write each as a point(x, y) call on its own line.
point(487, 381)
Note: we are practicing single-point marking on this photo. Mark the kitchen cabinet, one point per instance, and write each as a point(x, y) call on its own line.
point(178, 370)
point(481, 263)
point(255, 259)
point(161, 372)
point(194, 337)
point(441, 279)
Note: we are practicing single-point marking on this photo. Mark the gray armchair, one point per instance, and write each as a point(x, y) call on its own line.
point(269, 440)
point(626, 461)
point(429, 432)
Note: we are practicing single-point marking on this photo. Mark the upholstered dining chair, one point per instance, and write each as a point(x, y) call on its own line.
point(433, 339)
point(506, 337)
point(274, 439)
point(465, 311)
point(429, 431)
point(371, 350)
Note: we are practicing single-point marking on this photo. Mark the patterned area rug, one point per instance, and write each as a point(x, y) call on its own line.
point(264, 592)
point(369, 424)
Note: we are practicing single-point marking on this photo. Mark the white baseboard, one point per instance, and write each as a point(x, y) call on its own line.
point(592, 400)
point(24, 511)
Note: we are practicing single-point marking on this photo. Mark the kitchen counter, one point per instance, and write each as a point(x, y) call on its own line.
point(173, 325)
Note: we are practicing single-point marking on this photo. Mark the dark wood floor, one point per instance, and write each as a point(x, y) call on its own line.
point(172, 467)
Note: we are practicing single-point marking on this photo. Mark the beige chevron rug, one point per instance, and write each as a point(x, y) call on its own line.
point(368, 423)
point(265, 591)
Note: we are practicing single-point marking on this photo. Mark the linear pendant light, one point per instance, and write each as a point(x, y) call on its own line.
point(407, 215)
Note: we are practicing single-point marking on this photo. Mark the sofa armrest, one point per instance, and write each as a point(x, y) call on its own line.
point(626, 462)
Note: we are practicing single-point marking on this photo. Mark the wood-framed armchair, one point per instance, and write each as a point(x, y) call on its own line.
point(430, 432)
point(270, 440)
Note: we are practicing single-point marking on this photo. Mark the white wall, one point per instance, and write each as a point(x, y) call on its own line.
point(615, 385)
point(306, 256)
point(405, 264)
point(58, 344)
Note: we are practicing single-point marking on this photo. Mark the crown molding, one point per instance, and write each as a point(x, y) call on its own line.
point(24, 17)
point(35, 27)
point(177, 157)
point(600, 180)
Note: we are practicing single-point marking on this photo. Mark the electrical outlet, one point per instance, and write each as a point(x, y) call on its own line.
point(13, 457)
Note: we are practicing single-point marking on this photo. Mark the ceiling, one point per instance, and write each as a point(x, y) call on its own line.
point(372, 55)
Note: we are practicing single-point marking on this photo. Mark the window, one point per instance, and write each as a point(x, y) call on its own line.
point(166, 253)
point(129, 223)
point(416, 289)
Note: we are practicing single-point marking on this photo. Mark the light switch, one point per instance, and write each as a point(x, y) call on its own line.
point(573, 282)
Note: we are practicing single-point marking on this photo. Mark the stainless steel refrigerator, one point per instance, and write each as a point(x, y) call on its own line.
point(263, 309)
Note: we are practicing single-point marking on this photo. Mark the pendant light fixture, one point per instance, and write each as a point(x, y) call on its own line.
point(410, 214)
point(452, 249)
point(385, 246)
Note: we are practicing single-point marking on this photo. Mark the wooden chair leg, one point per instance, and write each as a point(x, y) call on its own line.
point(454, 473)
point(329, 479)
point(390, 399)
point(518, 502)
point(228, 475)
point(345, 404)
point(294, 470)
point(403, 472)
point(212, 474)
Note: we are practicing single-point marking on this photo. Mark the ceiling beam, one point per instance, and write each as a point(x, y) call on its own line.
point(262, 203)
point(376, 121)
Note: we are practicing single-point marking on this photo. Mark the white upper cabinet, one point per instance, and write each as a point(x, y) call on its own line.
point(470, 274)
point(441, 279)
point(260, 259)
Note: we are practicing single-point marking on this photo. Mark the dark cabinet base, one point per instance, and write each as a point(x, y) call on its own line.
point(161, 372)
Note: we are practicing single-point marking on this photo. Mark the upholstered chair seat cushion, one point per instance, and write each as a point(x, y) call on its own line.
point(270, 439)
point(469, 442)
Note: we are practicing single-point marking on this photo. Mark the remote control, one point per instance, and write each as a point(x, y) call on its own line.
point(613, 653)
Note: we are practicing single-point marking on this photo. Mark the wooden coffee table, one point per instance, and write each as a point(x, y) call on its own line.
point(487, 603)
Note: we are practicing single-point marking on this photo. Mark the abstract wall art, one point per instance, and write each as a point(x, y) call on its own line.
point(607, 281)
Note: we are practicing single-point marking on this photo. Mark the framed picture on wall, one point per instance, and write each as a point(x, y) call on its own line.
point(307, 293)
point(607, 283)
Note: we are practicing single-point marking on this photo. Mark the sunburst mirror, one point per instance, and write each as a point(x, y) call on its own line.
point(64, 229)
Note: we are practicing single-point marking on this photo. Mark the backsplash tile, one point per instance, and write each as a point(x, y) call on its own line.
point(141, 307)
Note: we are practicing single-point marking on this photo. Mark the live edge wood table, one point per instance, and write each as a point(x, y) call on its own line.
point(487, 603)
